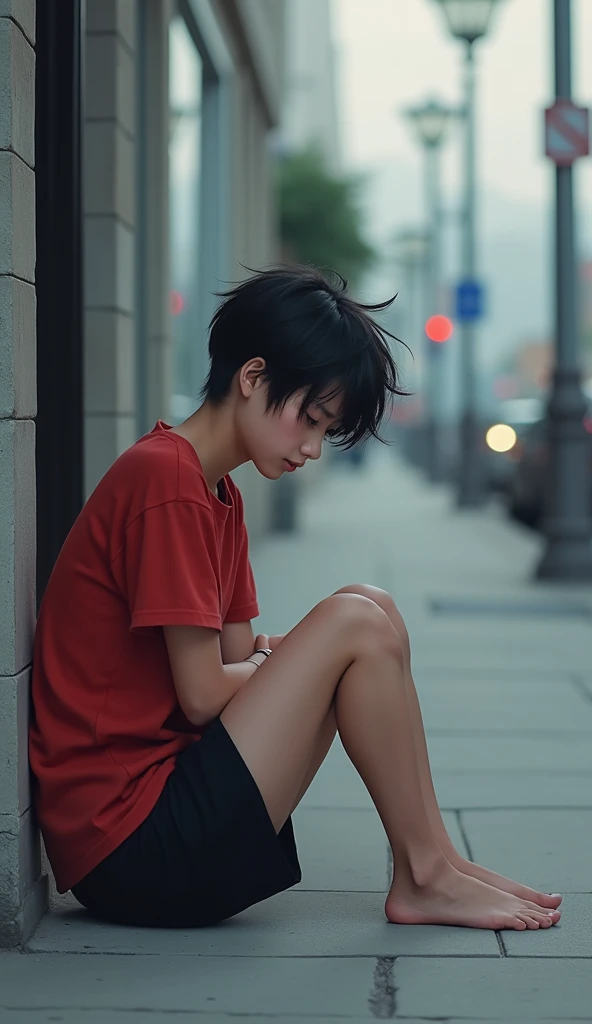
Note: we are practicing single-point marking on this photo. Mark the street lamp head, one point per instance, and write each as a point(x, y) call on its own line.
point(430, 122)
point(468, 19)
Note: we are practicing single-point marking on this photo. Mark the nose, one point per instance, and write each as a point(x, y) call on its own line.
point(312, 450)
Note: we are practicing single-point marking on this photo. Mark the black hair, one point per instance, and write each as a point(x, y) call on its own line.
point(313, 338)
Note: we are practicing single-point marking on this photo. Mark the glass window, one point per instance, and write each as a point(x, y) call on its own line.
point(185, 181)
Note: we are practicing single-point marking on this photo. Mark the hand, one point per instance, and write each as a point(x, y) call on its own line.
point(261, 640)
point(275, 641)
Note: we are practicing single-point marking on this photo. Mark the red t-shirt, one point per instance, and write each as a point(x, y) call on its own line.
point(151, 547)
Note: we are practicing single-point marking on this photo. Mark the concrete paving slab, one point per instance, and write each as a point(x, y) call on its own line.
point(495, 989)
point(129, 1017)
point(352, 986)
point(495, 654)
point(338, 785)
point(512, 754)
point(481, 675)
point(484, 790)
point(341, 849)
point(570, 938)
point(549, 850)
point(290, 924)
point(511, 708)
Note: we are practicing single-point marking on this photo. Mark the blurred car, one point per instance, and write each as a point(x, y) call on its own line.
point(525, 495)
point(503, 439)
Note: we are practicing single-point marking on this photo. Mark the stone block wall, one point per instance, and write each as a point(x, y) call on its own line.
point(23, 886)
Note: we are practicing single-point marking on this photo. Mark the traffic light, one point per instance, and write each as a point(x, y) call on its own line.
point(439, 328)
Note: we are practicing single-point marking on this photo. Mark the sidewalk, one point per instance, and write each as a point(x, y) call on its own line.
point(503, 669)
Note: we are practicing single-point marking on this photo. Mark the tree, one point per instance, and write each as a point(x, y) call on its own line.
point(320, 216)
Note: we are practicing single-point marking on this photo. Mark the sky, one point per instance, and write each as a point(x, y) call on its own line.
point(395, 53)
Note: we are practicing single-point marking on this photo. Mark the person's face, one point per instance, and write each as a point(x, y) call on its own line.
point(278, 438)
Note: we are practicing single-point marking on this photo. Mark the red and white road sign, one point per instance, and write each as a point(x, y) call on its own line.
point(566, 132)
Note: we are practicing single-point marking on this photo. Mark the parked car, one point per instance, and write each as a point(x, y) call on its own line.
point(526, 485)
point(518, 414)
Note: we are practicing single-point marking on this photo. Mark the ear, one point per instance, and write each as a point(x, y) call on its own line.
point(250, 376)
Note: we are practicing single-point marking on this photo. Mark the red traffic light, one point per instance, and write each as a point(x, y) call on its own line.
point(439, 328)
point(177, 303)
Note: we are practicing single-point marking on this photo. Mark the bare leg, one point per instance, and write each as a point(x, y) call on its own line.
point(321, 749)
point(385, 601)
point(346, 653)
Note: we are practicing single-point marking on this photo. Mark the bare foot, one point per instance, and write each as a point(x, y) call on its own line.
point(505, 884)
point(451, 897)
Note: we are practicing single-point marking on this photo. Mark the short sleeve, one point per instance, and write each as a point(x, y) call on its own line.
point(243, 604)
point(169, 571)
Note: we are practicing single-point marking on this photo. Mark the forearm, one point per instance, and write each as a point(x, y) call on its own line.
point(234, 676)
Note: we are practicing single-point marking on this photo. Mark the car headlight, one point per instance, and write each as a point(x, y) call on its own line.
point(501, 437)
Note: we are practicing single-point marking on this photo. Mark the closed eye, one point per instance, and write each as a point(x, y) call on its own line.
point(332, 432)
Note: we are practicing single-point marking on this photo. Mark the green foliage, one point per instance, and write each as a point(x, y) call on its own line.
point(320, 217)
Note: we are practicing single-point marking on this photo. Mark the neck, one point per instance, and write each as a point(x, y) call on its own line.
point(212, 432)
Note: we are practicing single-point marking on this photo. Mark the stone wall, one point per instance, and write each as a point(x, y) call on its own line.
point(22, 884)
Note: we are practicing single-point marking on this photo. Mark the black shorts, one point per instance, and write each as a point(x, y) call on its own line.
point(207, 850)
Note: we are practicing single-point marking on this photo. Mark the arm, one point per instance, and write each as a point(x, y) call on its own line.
point(237, 641)
point(203, 683)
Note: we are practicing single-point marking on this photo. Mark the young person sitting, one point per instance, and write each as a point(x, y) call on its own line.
point(169, 745)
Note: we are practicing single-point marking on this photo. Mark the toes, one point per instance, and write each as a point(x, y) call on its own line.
point(530, 922)
point(536, 907)
point(545, 920)
point(544, 917)
point(515, 923)
point(551, 902)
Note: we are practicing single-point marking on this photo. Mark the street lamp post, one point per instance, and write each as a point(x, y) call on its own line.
point(567, 524)
point(411, 246)
point(468, 20)
point(430, 122)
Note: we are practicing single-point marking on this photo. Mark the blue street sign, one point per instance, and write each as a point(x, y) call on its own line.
point(469, 301)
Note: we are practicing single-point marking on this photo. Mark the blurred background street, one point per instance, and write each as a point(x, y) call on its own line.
point(151, 152)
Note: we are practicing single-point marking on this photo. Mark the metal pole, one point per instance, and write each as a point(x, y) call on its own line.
point(412, 265)
point(433, 351)
point(413, 447)
point(59, 104)
point(567, 524)
point(470, 485)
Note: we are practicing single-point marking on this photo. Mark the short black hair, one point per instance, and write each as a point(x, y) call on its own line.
point(314, 338)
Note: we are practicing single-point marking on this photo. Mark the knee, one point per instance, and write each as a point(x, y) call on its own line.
point(364, 618)
point(384, 601)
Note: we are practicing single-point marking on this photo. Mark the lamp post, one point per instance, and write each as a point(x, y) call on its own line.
point(430, 122)
point(567, 524)
point(411, 246)
point(468, 20)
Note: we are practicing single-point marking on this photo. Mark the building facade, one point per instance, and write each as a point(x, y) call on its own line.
point(310, 111)
point(135, 182)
